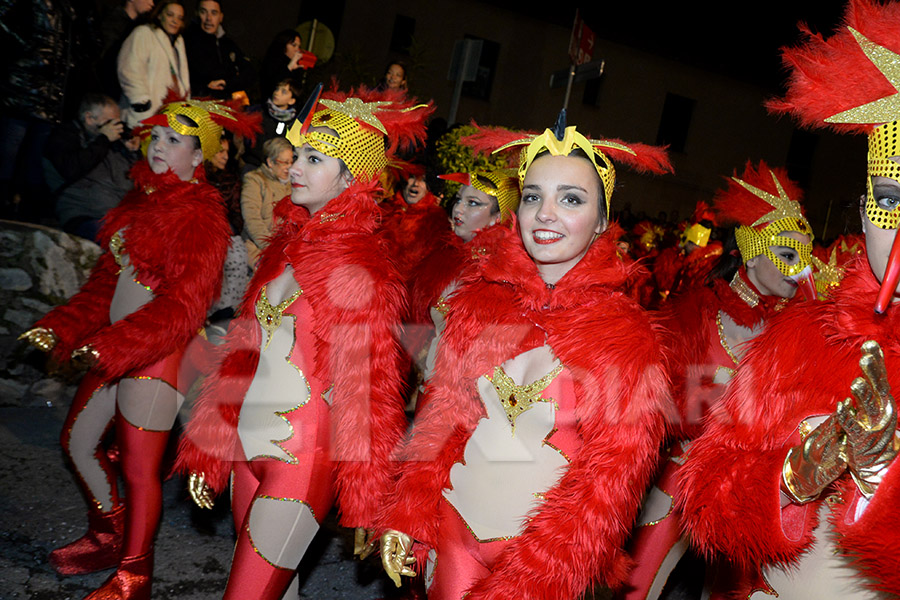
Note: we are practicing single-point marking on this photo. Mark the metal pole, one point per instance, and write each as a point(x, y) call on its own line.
point(309, 45)
point(457, 89)
point(827, 217)
point(569, 86)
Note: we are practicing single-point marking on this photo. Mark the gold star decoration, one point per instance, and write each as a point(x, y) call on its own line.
point(828, 274)
point(517, 399)
point(782, 206)
point(357, 109)
point(886, 109)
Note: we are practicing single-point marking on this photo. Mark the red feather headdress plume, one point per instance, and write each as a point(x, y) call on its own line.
point(738, 204)
point(830, 76)
point(562, 140)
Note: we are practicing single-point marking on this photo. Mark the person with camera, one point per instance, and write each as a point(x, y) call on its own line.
point(86, 164)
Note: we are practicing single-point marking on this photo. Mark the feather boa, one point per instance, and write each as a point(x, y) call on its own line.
point(502, 309)
point(176, 236)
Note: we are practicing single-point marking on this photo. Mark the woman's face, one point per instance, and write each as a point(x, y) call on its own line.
point(766, 276)
point(292, 47)
point(315, 178)
point(171, 151)
point(560, 213)
point(395, 78)
point(879, 241)
point(282, 164)
point(220, 158)
point(171, 19)
point(473, 211)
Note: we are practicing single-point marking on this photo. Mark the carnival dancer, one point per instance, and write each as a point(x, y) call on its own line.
point(689, 262)
point(524, 470)
point(793, 473)
point(306, 405)
point(704, 331)
point(145, 301)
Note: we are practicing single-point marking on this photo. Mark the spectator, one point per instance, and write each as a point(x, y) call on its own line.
point(279, 112)
point(394, 77)
point(263, 188)
point(222, 173)
point(116, 26)
point(86, 165)
point(153, 61)
point(218, 67)
point(285, 59)
point(43, 43)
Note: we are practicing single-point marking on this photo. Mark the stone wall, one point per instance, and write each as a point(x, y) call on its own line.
point(39, 268)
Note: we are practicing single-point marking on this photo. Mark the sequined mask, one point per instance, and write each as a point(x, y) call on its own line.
point(784, 216)
point(496, 184)
point(697, 234)
point(207, 131)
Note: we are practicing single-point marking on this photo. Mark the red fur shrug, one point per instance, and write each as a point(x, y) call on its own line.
point(687, 325)
point(176, 237)
point(414, 229)
point(801, 366)
point(503, 309)
point(356, 295)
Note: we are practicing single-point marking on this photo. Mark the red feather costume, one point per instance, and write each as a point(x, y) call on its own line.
point(176, 236)
point(313, 420)
point(608, 423)
point(793, 375)
point(700, 362)
point(729, 487)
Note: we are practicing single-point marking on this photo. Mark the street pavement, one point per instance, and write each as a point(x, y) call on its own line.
point(41, 509)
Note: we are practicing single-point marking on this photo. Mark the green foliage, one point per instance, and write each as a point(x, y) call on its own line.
point(456, 158)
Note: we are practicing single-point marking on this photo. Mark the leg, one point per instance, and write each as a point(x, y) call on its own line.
point(146, 410)
point(88, 420)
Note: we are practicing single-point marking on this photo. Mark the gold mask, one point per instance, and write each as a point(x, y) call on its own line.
point(209, 133)
point(784, 216)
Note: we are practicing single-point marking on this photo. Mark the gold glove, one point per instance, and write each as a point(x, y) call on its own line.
point(85, 357)
point(364, 542)
point(871, 425)
point(200, 492)
point(41, 338)
point(817, 461)
point(395, 558)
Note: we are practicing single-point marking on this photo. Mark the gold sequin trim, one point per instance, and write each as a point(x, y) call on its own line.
point(116, 243)
point(269, 316)
point(516, 399)
point(743, 290)
point(250, 537)
point(474, 536)
point(330, 217)
point(722, 339)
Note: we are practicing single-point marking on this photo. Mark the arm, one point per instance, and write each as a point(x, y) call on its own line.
point(86, 312)
point(71, 160)
point(252, 194)
point(133, 68)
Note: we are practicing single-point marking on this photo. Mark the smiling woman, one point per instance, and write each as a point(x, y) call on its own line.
point(547, 374)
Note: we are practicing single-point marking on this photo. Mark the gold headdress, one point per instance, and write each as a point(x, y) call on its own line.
point(763, 204)
point(211, 117)
point(562, 141)
point(850, 82)
point(499, 184)
point(367, 129)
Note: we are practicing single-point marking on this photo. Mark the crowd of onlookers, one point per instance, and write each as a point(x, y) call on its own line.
point(75, 82)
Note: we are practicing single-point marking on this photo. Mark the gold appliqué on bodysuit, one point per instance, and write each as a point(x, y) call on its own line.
point(269, 316)
point(441, 306)
point(517, 399)
point(117, 248)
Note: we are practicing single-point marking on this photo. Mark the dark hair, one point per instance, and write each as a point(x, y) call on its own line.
point(291, 85)
point(157, 10)
point(730, 261)
point(281, 39)
point(92, 101)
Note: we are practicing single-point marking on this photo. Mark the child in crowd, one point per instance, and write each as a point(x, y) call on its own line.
point(279, 112)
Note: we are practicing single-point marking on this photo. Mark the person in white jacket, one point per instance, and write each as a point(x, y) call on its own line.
point(152, 61)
